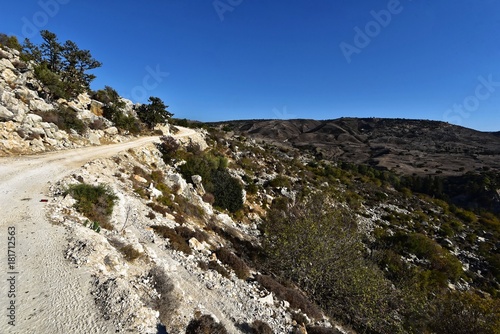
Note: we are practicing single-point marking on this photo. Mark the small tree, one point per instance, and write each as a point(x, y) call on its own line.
point(61, 66)
point(154, 113)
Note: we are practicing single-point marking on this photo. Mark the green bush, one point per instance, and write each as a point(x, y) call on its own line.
point(168, 147)
point(442, 263)
point(280, 181)
point(319, 248)
point(227, 190)
point(465, 313)
point(95, 202)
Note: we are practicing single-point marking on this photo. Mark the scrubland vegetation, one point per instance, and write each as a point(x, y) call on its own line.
point(400, 277)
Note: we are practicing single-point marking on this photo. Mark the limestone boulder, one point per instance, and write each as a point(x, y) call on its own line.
point(8, 76)
point(40, 105)
point(111, 131)
point(96, 108)
point(5, 114)
point(94, 139)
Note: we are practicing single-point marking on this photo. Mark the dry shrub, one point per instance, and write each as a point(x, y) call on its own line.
point(321, 330)
point(243, 247)
point(157, 176)
point(208, 198)
point(214, 265)
point(238, 265)
point(260, 327)
point(97, 124)
point(130, 253)
point(187, 233)
point(296, 299)
point(169, 301)
point(158, 208)
point(300, 318)
point(177, 242)
point(205, 325)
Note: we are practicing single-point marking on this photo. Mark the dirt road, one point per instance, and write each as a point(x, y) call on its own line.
point(39, 291)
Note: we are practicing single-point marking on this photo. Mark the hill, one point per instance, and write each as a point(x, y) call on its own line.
point(403, 146)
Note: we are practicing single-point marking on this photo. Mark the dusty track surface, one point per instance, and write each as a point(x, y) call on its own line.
point(50, 295)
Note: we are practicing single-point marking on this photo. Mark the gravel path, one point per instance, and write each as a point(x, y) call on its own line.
point(51, 295)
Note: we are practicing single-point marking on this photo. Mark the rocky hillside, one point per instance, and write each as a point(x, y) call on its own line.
point(403, 146)
point(344, 226)
point(257, 238)
point(31, 123)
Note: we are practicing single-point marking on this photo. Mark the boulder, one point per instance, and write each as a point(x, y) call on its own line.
point(198, 185)
point(140, 179)
point(8, 75)
point(40, 105)
point(32, 119)
point(94, 139)
point(96, 108)
point(111, 131)
point(176, 181)
point(84, 100)
point(195, 244)
point(5, 114)
point(25, 94)
point(153, 192)
point(5, 63)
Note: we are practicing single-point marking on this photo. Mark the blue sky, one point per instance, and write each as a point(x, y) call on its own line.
point(322, 59)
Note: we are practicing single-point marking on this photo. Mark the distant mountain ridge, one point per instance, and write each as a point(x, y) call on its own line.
point(404, 146)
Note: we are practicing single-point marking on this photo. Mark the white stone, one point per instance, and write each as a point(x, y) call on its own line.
point(176, 181)
point(94, 139)
point(267, 300)
point(40, 105)
point(139, 178)
point(196, 245)
point(111, 131)
point(9, 76)
point(5, 114)
point(153, 192)
point(5, 63)
point(32, 118)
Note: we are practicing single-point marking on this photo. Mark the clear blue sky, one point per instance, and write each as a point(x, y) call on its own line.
point(236, 59)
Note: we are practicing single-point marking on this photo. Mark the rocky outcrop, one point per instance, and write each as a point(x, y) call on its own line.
point(23, 130)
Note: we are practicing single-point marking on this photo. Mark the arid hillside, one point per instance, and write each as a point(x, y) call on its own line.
point(403, 146)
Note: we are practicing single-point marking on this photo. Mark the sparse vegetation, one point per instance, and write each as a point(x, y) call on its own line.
point(205, 325)
point(177, 242)
point(169, 301)
point(95, 202)
point(239, 266)
point(65, 118)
